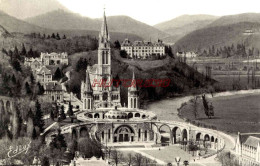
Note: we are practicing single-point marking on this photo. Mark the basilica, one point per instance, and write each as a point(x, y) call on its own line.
point(105, 118)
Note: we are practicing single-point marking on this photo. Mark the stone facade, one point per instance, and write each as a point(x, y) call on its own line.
point(43, 75)
point(47, 59)
point(98, 95)
point(248, 149)
point(143, 49)
point(54, 58)
point(54, 92)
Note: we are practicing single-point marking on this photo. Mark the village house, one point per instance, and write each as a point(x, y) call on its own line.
point(47, 59)
point(43, 75)
point(54, 92)
point(54, 58)
point(190, 54)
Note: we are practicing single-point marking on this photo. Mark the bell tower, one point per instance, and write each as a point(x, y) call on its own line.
point(87, 93)
point(133, 96)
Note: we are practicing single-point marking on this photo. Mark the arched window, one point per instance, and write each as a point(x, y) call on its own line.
point(88, 103)
point(103, 58)
point(135, 103)
point(106, 57)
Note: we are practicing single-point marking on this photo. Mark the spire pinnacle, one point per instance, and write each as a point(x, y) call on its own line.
point(104, 30)
point(88, 84)
point(133, 84)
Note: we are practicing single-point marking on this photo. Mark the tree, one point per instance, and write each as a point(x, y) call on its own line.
point(185, 162)
point(62, 113)
point(45, 161)
point(227, 159)
point(32, 78)
point(13, 79)
point(52, 115)
point(16, 65)
point(40, 89)
point(208, 110)
point(56, 111)
point(117, 44)
point(39, 122)
point(116, 157)
point(57, 36)
point(88, 147)
point(58, 74)
point(16, 54)
point(129, 159)
point(192, 147)
point(139, 159)
point(59, 142)
point(34, 134)
point(195, 106)
point(53, 36)
point(28, 89)
point(17, 123)
point(81, 65)
point(64, 37)
point(70, 112)
point(23, 52)
point(123, 53)
point(30, 127)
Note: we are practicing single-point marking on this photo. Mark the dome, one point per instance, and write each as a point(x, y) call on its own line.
point(116, 114)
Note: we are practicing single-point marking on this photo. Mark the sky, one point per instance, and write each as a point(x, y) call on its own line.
point(155, 11)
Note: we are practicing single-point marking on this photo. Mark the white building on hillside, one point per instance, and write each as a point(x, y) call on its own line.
point(190, 54)
point(143, 49)
point(54, 58)
point(47, 59)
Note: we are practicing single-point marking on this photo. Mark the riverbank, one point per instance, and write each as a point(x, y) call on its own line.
point(234, 112)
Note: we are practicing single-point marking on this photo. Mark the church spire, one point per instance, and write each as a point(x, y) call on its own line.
point(88, 84)
point(133, 84)
point(104, 30)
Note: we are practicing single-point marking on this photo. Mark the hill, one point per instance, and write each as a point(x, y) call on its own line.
point(60, 19)
point(233, 19)
point(183, 78)
point(182, 25)
point(28, 8)
point(220, 36)
point(4, 32)
point(183, 20)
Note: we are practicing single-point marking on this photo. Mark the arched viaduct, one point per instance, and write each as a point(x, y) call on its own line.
point(178, 132)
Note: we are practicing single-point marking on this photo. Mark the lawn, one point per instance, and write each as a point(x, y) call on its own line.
point(238, 113)
point(171, 151)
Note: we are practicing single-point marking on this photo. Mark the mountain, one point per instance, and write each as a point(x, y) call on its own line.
point(183, 20)
point(60, 19)
point(4, 32)
point(182, 25)
point(224, 31)
point(232, 19)
point(28, 8)
point(221, 36)
point(12, 24)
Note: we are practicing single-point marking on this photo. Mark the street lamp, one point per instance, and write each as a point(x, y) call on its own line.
point(178, 160)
